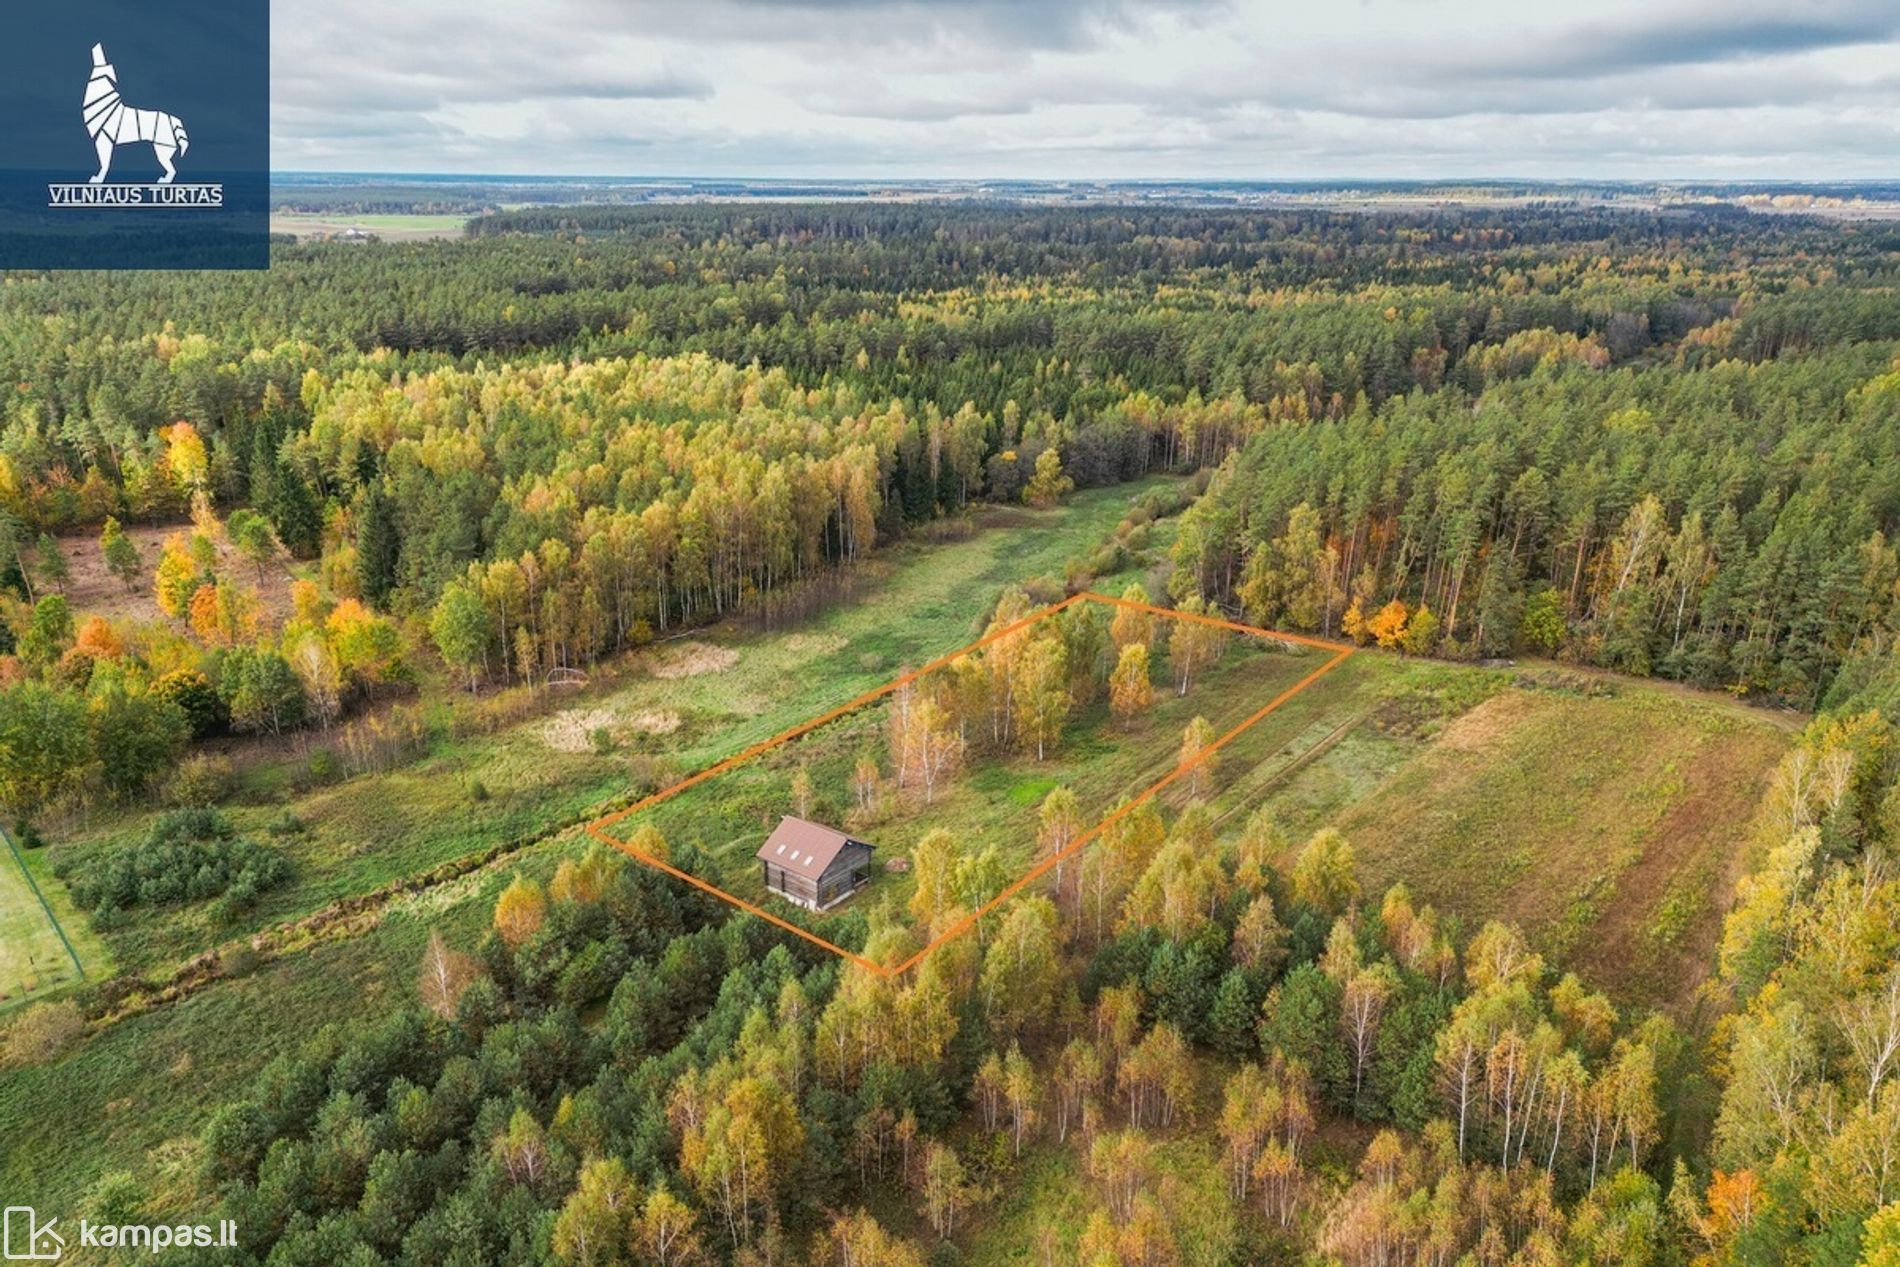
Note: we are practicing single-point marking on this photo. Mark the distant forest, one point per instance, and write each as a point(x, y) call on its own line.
point(1659, 442)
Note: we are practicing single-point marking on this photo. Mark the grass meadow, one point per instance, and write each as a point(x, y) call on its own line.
point(996, 797)
point(682, 705)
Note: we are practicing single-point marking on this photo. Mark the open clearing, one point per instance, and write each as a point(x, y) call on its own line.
point(726, 810)
point(1608, 825)
point(909, 604)
point(94, 591)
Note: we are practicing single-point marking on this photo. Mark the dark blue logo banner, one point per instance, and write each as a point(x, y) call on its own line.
point(138, 134)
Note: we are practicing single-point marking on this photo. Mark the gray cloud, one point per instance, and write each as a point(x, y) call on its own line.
point(1703, 34)
point(1111, 88)
point(1021, 24)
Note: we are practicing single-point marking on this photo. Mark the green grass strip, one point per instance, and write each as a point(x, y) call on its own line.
point(51, 918)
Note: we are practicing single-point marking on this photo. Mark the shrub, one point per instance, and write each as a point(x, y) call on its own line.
point(201, 782)
point(43, 1033)
point(643, 775)
point(237, 961)
point(117, 1198)
point(324, 767)
point(189, 855)
point(1044, 590)
point(193, 692)
point(236, 903)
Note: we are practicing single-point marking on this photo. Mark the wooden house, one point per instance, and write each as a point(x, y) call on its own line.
point(814, 865)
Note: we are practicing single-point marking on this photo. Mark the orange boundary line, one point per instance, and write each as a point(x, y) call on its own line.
point(598, 828)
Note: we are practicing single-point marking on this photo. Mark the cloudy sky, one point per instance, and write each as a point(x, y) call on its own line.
point(1744, 89)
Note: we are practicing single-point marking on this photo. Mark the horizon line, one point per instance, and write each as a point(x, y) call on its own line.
point(1271, 181)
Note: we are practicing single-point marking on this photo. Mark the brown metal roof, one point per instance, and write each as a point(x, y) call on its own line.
point(804, 847)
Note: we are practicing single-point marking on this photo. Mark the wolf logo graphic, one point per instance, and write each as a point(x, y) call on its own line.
point(112, 123)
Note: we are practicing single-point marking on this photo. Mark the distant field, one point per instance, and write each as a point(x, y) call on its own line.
point(395, 228)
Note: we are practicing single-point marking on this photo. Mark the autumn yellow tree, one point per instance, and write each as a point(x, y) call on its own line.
point(667, 1231)
point(1362, 1008)
point(1355, 624)
point(744, 1146)
point(1021, 966)
point(185, 450)
point(1260, 940)
point(1387, 625)
point(585, 879)
point(1179, 892)
point(1130, 689)
point(925, 748)
point(867, 786)
point(520, 911)
point(1198, 760)
point(1048, 485)
point(1325, 874)
point(1131, 624)
point(176, 578)
point(1042, 693)
point(946, 1188)
point(858, 1240)
point(593, 1225)
point(1059, 821)
point(648, 841)
point(1293, 580)
point(1120, 856)
point(316, 668)
point(801, 791)
point(1001, 658)
point(1260, 845)
point(1193, 645)
point(933, 869)
point(1022, 1094)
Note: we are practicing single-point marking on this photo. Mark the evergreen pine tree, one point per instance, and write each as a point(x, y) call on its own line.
point(293, 511)
point(377, 545)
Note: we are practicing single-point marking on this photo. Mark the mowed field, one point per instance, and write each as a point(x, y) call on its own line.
point(1607, 818)
point(33, 959)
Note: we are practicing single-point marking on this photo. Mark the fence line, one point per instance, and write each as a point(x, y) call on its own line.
point(51, 918)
